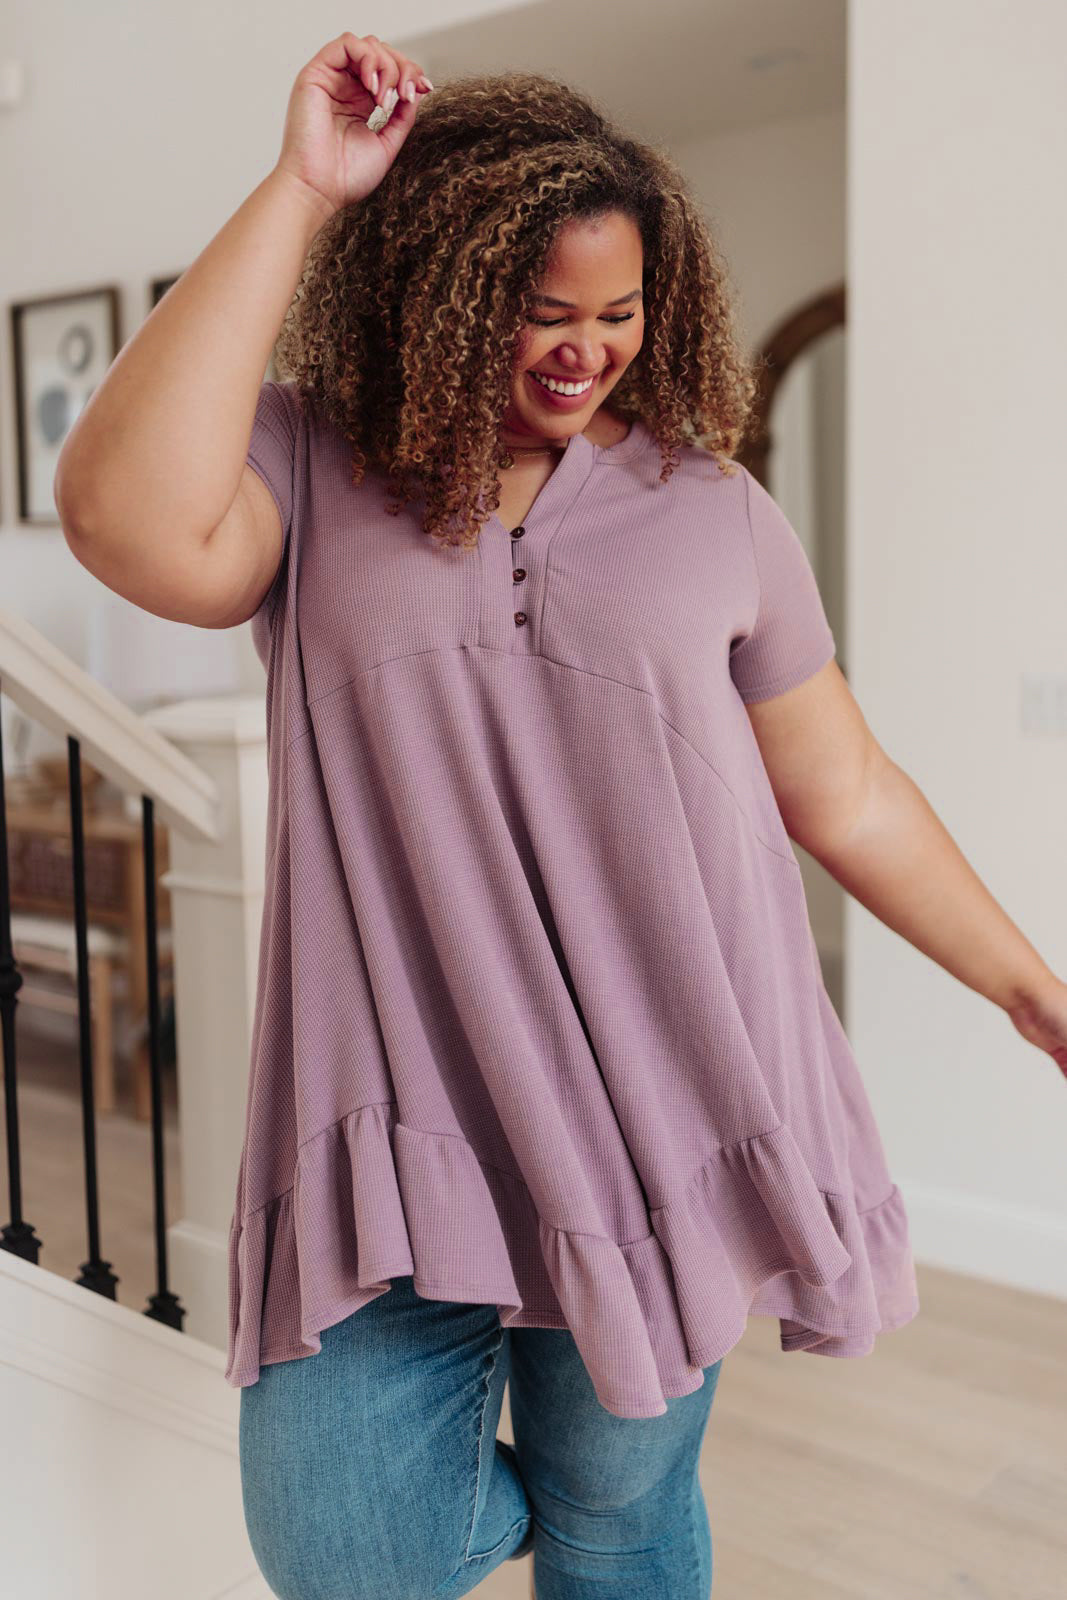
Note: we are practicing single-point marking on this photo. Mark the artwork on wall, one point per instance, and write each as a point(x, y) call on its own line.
point(158, 289)
point(62, 345)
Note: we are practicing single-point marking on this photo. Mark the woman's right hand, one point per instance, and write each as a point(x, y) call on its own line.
point(326, 144)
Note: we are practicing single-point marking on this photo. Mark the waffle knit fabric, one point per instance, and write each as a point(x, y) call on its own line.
point(539, 1013)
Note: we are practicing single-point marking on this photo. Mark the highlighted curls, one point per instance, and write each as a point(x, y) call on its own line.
point(404, 328)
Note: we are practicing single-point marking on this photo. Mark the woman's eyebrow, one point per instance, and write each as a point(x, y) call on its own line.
point(568, 305)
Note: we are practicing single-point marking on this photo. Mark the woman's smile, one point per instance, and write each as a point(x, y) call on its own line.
point(559, 397)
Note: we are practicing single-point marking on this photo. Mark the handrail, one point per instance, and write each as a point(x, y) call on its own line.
point(119, 743)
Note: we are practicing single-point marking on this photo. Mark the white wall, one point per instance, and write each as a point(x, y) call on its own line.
point(776, 197)
point(958, 582)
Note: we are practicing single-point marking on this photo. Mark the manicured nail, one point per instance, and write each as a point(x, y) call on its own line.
point(424, 79)
point(409, 90)
point(374, 81)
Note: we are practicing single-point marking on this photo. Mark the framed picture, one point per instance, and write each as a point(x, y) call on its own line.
point(158, 288)
point(62, 345)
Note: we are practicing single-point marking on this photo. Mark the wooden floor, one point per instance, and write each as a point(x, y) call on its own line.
point(934, 1469)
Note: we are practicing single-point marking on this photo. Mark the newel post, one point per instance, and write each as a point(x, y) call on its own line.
point(216, 892)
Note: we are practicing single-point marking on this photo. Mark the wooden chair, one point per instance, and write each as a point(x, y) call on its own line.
point(47, 945)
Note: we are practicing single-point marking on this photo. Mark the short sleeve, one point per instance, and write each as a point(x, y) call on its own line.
point(790, 638)
point(271, 454)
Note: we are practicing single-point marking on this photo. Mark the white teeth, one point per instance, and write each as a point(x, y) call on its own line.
point(562, 388)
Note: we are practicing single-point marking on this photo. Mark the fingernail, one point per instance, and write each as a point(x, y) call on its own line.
point(391, 98)
point(426, 81)
point(374, 81)
point(409, 90)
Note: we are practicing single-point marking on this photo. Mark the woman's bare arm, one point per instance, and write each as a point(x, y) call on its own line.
point(869, 824)
point(153, 463)
point(152, 485)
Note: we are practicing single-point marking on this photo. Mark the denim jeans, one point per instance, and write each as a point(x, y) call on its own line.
point(372, 1470)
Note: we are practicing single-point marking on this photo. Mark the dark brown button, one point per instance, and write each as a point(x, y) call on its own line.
point(518, 574)
point(517, 533)
point(520, 618)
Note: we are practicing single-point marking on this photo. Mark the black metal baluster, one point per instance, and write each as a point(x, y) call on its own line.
point(163, 1305)
point(95, 1273)
point(17, 1235)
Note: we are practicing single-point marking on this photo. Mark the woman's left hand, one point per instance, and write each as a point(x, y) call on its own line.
point(1041, 1017)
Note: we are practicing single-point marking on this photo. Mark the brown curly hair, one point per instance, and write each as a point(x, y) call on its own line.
point(404, 326)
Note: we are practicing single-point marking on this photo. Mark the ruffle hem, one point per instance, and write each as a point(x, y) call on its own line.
point(751, 1233)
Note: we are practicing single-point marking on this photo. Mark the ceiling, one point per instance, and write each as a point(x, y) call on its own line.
point(678, 70)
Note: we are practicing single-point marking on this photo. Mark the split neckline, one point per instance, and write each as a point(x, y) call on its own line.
point(578, 459)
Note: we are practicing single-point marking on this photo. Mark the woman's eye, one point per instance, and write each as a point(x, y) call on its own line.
point(541, 323)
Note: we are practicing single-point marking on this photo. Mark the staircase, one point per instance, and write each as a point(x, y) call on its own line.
point(119, 1430)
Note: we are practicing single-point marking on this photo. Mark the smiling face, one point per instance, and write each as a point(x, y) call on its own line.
point(584, 330)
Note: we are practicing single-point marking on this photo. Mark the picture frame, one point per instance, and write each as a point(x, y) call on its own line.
point(158, 288)
point(62, 344)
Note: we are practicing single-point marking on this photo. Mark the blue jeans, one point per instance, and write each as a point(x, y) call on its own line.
point(372, 1470)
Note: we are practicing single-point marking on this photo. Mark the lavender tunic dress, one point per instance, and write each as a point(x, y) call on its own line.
point(539, 1014)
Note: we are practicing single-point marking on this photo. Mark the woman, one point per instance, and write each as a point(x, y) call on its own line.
point(545, 1081)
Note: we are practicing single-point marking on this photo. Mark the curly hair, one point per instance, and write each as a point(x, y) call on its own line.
point(405, 324)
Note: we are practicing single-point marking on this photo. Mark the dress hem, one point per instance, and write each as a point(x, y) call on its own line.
point(751, 1233)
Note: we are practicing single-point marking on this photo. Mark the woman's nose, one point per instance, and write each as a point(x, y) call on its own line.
point(582, 358)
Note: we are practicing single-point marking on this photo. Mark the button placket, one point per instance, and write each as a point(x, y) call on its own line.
point(518, 574)
point(510, 560)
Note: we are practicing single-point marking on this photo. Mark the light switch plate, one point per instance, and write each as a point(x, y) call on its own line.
point(1043, 705)
point(11, 83)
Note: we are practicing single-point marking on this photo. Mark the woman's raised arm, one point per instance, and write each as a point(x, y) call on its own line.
point(152, 486)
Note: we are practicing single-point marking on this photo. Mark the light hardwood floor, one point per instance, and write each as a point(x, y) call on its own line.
point(934, 1469)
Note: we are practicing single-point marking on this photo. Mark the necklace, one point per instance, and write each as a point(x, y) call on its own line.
point(507, 459)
